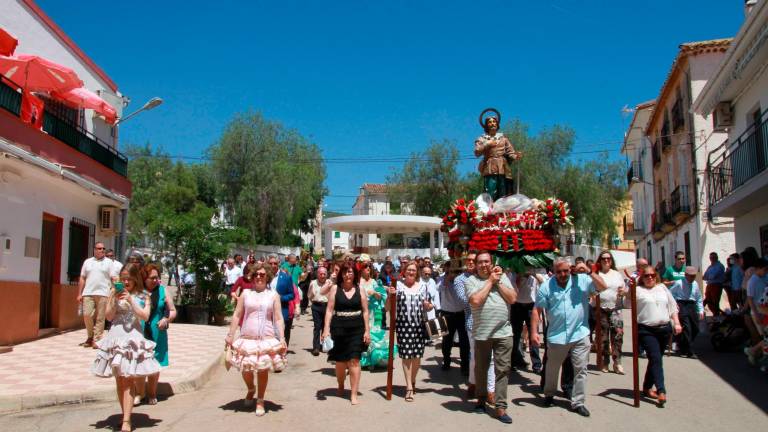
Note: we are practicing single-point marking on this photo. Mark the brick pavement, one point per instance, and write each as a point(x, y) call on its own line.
point(56, 371)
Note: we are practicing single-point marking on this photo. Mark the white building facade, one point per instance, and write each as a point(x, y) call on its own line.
point(637, 149)
point(373, 200)
point(680, 141)
point(63, 187)
point(736, 100)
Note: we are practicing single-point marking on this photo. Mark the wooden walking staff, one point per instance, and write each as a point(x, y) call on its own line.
point(635, 351)
point(598, 332)
point(391, 359)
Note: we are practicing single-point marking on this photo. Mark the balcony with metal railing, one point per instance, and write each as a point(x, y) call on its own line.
point(737, 179)
point(680, 203)
point(633, 230)
point(634, 173)
point(72, 135)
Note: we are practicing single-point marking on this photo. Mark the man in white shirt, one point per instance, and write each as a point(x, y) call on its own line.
point(232, 272)
point(95, 284)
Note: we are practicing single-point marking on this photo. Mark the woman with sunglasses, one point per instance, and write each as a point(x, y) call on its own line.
point(162, 313)
point(656, 308)
point(611, 304)
point(261, 347)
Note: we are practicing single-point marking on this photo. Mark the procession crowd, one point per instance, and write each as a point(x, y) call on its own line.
point(494, 315)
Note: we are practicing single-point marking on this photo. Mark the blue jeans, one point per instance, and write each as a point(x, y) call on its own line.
point(654, 340)
point(521, 314)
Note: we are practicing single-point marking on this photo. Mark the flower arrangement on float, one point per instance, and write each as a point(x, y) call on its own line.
point(518, 239)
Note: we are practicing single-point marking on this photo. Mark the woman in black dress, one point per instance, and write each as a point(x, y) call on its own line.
point(346, 322)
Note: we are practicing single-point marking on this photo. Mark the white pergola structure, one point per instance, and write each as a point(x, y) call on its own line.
point(382, 224)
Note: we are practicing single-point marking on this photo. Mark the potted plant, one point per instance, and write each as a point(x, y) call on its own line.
point(221, 307)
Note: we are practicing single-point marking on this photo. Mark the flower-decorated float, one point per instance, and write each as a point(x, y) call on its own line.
point(520, 232)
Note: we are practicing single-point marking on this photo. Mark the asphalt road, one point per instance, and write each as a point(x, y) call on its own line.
point(717, 391)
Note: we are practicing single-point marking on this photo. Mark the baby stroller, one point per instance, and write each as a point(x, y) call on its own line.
point(729, 334)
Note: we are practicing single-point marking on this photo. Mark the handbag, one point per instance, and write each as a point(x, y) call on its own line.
point(436, 328)
point(327, 344)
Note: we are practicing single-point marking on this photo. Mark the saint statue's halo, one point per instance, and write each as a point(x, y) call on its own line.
point(482, 119)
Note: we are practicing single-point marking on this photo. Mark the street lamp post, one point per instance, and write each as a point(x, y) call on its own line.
point(152, 103)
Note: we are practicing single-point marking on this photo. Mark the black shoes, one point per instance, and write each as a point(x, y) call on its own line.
point(505, 418)
point(581, 410)
point(549, 401)
point(479, 408)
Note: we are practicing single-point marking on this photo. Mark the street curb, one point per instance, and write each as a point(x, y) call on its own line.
point(23, 402)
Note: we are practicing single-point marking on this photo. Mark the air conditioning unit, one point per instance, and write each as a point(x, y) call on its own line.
point(107, 219)
point(723, 116)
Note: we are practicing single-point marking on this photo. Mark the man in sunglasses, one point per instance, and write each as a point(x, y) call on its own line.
point(565, 300)
point(94, 285)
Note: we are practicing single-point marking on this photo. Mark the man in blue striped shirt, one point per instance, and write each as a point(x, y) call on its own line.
point(690, 310)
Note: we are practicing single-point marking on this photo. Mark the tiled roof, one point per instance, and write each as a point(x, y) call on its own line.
point(686, 49)
point(377, 188)
point(713, 43)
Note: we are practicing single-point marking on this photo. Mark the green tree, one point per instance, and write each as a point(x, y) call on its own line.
point(270, 179)
point(594, 189)
point(429, 180)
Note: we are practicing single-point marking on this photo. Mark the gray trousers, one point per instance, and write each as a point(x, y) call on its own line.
point(502, 355)
point(556, 353)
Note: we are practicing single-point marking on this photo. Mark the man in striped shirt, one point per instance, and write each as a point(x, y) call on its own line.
point(490, 294)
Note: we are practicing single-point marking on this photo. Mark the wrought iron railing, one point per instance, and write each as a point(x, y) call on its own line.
point(680, 201)
point(10, 98)
point(739, 162)
point(72, 135)
point(634, 172)
point(678, 120)
point(85, 142)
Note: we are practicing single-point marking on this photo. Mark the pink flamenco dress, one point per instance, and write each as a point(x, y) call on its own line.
point(124, 351)
point(257, 348)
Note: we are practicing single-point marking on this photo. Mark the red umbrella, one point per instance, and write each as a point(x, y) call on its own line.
point(7, 43)
point(36, 74)
point(84, 98)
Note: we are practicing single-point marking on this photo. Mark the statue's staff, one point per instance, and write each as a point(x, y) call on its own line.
point(391, 359)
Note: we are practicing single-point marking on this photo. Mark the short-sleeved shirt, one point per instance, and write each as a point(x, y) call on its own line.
point(491, 319)
point(567, 308)
point(98, 276)
point(613, 280)
point(673, 274)
point(755, 289)
point(232, 274)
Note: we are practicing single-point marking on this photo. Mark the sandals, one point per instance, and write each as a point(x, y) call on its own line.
point(260, 411)
point(122, 426)
point(409, 395)
point(152, 401)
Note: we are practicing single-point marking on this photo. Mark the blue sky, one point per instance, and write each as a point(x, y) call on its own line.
point(372, 79)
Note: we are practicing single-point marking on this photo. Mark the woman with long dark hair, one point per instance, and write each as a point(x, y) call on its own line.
point(346, 322)
point(611, 319)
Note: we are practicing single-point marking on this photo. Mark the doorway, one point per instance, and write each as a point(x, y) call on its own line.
point(50, 265)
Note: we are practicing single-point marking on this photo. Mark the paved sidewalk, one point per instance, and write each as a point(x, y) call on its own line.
point(56, 371)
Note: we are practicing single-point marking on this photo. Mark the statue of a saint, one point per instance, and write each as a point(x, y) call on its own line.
point(498, 154)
